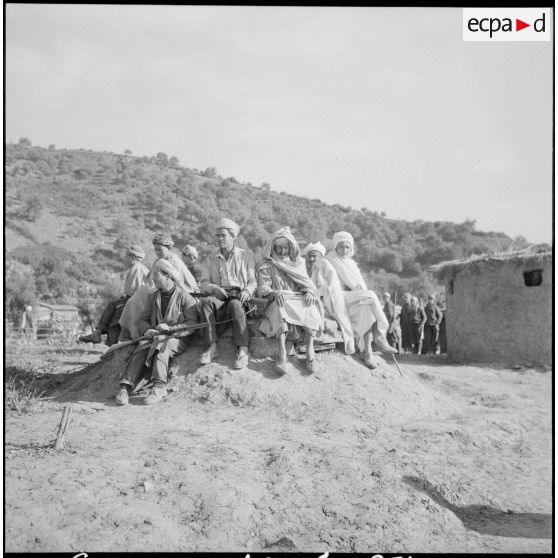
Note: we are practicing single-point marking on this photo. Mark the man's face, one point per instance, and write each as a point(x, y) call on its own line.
point(161, 250)
point(414, 302)
point(431, 300)
point(281, 248)
point(187, 259)
point(162, 280)
point(225, 240)
point(312, 257)
point(130, 259)
point(343, 249)
point(407, 298)
point(386, 298)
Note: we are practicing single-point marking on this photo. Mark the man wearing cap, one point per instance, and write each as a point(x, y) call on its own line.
point(162, 244)
point(169, 309)
point(109, 319)
point(229, 279)
point(190, 257)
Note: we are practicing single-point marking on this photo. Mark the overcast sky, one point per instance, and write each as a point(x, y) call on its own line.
point(385, 108)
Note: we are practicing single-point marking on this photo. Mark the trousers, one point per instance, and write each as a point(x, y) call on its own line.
point(213, 310)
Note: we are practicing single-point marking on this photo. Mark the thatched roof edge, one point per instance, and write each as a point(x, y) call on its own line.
point(533, 255)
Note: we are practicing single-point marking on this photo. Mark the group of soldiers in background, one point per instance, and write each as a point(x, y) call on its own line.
point(417, 328)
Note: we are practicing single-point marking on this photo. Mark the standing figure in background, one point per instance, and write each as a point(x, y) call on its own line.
point(431, 327)
point(295, 310)
point(368, 320)
point(406, 333)
point(108, 323)
point(442, 337)
point(393, 334)
point(28, 324)
point(417, 319)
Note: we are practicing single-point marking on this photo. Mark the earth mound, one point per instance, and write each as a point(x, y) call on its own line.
point(341, 382)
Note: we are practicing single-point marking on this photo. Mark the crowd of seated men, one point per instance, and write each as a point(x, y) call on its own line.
point(162, 308)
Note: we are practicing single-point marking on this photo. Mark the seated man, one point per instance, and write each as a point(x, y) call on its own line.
point(162, 244)
point(170, 308)
point(295, 306)
point(108, 322)
point(365, 311)
point(330, 292)
point(229, 280)
point(190, 258)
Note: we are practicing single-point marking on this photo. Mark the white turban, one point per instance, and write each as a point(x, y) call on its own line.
point(317, 247)
point(231, 226)
point(344, 236)
point(168, 268)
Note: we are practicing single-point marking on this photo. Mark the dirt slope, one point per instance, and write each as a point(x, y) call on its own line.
point(454, 459)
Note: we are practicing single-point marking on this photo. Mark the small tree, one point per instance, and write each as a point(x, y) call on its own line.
point(127, 152)
point(25, 141)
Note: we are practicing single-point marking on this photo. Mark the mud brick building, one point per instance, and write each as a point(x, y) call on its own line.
point(499, 307)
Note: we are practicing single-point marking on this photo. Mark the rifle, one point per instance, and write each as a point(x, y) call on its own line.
point(259, 303)
point(234, 294)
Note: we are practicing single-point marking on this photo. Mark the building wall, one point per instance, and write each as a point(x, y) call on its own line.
point(492, 316)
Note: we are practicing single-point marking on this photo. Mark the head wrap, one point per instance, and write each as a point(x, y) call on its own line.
point(136, 250)
point(29, 308)
point(386, 294)
point(190, 251)
point(285, 232)
point(344, 236)
point(164, 239)
point(168, 268)
point(317, 247)
point(231, 226)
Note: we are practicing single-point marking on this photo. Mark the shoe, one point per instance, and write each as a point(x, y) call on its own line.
point(122, 397)
point(311, 365)
point(241, 361)
point(282, 367)
point(369, 362)
point(94, 337)
point(155, 395)
point(208, 356)
point(384, 346)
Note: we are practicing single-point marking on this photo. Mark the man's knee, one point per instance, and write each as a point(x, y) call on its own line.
point(235, 307)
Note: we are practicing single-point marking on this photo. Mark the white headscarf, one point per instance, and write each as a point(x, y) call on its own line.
point(317, 247)
point(344, 236)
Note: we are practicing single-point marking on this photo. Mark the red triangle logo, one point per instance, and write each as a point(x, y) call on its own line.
point(519, 25)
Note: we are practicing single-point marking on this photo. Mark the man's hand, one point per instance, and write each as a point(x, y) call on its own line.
point(150, 333)
point(244, 297)
point(220, 293)
point(310, 298)
point(163, 327)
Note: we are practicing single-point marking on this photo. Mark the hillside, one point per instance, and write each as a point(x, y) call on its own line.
point(79, 208)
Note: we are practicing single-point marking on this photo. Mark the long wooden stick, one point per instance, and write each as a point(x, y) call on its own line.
point(397, 364)
point(63, 426)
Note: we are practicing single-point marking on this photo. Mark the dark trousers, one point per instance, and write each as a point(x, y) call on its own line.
point(108, 323)
point(443, 337)
point(136, 367)
point(416, 337)
point(394, 339)
point(214, 310)
point(430, 343)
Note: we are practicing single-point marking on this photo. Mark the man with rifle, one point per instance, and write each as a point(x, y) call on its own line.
point(169, 317)
point(229, 280)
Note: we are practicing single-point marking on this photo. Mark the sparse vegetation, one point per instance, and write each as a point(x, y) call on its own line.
point(138, 196)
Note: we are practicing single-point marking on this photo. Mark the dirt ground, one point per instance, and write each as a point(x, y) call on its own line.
point(442, 459)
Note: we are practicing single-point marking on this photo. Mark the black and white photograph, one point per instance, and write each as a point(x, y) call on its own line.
point(278, 279)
